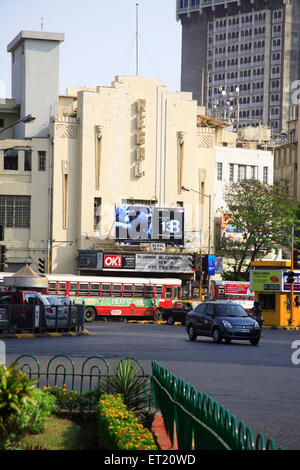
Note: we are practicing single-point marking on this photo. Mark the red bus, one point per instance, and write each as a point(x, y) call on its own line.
point(115, 296)
point(237, 291)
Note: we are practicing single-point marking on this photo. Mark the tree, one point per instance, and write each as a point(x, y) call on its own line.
point(263, 215)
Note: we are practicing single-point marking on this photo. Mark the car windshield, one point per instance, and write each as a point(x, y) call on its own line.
point(230, 311)
point(53, 301)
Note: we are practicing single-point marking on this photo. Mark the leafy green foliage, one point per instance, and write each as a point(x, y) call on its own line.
point(16, 390)
point(264, 214)
point(128, 382)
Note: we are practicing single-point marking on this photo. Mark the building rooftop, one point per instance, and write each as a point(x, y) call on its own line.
point(38, 35)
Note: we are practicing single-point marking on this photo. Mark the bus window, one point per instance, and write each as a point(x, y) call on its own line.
point(95, 289)
point(52, 288)
point(83, 289)
point(168, 292)
point(127, 290)
point(117, 290)
point(138, 290)
point(149, 292)
point(105, 290)
point(62, 288)
point(175, 292)
point(73, 288)
point(158, 291)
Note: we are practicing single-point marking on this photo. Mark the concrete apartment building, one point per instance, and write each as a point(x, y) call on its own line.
point(240, 58)
point(287, 159)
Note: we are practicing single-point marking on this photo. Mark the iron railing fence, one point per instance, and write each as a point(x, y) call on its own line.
point(81, 376)
point(196, 421)
point(18, 318)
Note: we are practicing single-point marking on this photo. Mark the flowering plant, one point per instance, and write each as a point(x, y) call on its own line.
point(119, 428)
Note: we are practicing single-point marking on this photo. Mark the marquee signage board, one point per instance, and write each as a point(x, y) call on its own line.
point(148, 224)
point(163, 263)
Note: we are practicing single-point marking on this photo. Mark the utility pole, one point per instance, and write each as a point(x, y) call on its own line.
point(137, 39)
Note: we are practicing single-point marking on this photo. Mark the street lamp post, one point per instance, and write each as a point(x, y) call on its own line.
point(26, 120)
point(184, 188)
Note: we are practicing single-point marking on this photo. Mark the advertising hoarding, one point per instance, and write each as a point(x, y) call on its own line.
point(149, 224)
point(266, 280)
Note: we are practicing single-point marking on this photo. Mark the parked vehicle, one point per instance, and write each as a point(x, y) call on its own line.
point(23, 310)
point(55, 303)
point(177, 312)
point(222, 320)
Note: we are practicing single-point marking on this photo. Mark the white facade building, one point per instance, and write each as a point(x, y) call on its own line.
point(233, 164)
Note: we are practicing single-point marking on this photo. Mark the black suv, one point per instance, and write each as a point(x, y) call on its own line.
point(222, 320)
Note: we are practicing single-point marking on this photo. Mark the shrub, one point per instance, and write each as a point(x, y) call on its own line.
point(127, 382)
point(33, 416)
point(72, 401)
point(15, 390)
point(119, 428)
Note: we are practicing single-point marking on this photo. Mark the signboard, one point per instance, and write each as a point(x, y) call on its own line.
point(211, 265)
point(163, 263)
point(156, 262)
point(238, 289)
point(90, 260)
point(144, 224)
point(266, 280)
point(119, 261)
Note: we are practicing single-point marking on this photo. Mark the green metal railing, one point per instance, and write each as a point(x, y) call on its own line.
point(61, 370)
point(198, 422)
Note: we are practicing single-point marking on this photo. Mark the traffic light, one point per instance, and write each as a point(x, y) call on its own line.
point(193, 261)
point(3, 258)
point(290, 277)
point(296, 259)
point(42, 265)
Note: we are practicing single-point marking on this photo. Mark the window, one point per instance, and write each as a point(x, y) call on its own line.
point(158, 291)
point(62, 288)
point(52, 288)
point(253, 172)
point(139, 290)
point(231, 172)
point(149, 292)
point(1, 122)
point(175, 292)
point(219, 171)
point(241, 172)
point(15, 211)
point(265, 174)
point(105, 290)
point(117, 290)
point(27, 160)
point(73, 288)
point(168, 292)
point(127, 290)
point(97, 213)
point(95, 289)
point(42, 160)
point(83, 289)
point(10, 159)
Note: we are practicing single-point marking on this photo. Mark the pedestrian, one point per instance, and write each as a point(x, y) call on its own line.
point(257, 313)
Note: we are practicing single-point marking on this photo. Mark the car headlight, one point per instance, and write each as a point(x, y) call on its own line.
point(227, 324)
point(256, 326)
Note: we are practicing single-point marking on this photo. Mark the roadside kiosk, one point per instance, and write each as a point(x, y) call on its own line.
point(269, 281)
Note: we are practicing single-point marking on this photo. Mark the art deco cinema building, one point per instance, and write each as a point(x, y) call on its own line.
point(241, 57)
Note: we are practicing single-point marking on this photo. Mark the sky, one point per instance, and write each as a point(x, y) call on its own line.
point(100, 39)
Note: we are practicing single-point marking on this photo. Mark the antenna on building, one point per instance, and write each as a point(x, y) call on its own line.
point(42, 23)
point(137, 39)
